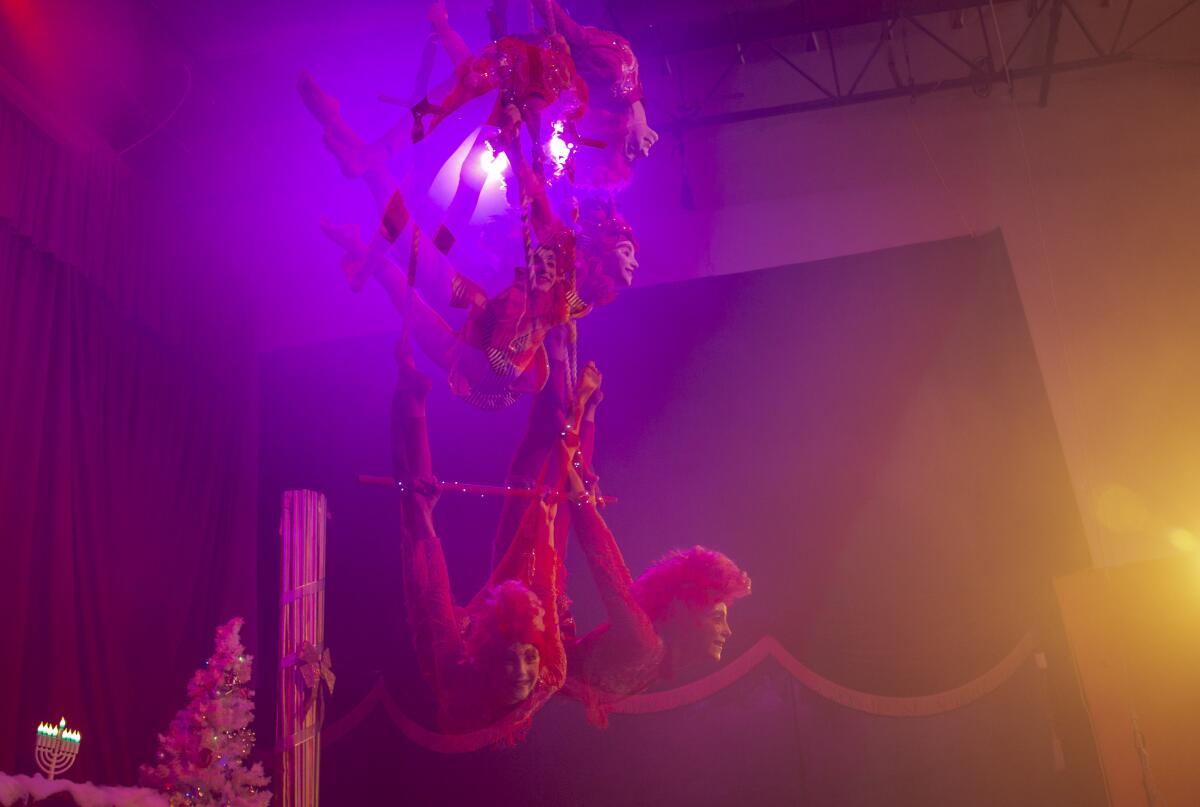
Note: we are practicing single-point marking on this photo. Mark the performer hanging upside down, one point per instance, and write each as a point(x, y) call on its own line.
point(602, 242)
point(499, 355)
point(496, 669)
point(672, 618)
point(557, 420)
point(616, 112)
point(531, 73)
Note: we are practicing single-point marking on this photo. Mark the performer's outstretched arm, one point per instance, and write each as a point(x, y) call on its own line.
point(610, 654)
point(451, 40)
point(427, 594)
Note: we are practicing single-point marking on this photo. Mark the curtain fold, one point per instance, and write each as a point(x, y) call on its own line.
point(125, 458)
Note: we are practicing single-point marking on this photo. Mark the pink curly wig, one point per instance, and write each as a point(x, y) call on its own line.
point(600, 228)
point(509, 612)
point(697, 577)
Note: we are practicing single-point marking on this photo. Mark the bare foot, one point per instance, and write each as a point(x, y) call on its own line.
point(343, 142)
point(354, 262)
point(594, 402)
point(589, 382)
point(348, 149)
point(323, 106)
point(409, 379)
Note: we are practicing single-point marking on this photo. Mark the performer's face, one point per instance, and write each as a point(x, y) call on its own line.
point(639, 139)
point(515, 671)
point(697, 636)
point(623, 263)
point(545, 269)
point(714, 630)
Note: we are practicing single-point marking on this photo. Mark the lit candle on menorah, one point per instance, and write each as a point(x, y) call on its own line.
point(57, 747)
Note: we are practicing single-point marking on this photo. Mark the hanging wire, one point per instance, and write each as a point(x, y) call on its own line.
point(958, 206)
point(1047, 270)
point(187, 90)
point(912, 119)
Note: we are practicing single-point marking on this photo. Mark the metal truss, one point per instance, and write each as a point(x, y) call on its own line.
point(982, 68)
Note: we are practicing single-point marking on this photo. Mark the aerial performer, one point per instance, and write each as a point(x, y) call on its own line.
point(616, 115)
point(499, 354)
point(531, 72)
point(494, 664)
point(673, 618)
point(605, 261)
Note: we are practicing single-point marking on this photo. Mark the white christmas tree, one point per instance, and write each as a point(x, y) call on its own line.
point(201, 758)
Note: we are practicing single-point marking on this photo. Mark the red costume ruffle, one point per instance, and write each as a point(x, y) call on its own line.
point(529, 74)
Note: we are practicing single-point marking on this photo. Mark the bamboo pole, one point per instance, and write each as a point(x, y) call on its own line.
point(301, 620)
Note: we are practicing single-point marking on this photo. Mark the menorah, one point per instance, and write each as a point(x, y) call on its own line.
point(57, 747)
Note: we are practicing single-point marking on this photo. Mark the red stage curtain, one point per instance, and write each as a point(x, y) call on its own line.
point(123, 465)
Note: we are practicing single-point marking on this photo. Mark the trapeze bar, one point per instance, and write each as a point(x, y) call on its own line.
point(483, 490)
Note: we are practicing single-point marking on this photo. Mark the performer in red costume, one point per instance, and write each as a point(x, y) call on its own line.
point(505, 333)
point(603, 246)
point(556, 420)
point(605, 260)
point(671, 619)
point(616, 110)
point(501, 664)
point(674, 617)
point(531, 73)
point(499, 353)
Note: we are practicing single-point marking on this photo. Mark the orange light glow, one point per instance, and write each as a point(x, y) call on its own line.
point(1183, 540)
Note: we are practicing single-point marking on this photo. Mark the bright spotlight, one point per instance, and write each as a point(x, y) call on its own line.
point(558, 149)
point(493, 163)
point(1183, 540)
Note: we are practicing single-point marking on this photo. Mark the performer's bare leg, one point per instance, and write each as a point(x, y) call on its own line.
point(430, 331)
point(356, 157)
point(450, 40)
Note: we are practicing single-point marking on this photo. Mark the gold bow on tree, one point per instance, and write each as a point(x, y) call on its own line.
point(316, 671)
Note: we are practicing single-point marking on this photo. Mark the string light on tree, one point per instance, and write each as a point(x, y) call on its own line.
point(201, 758)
